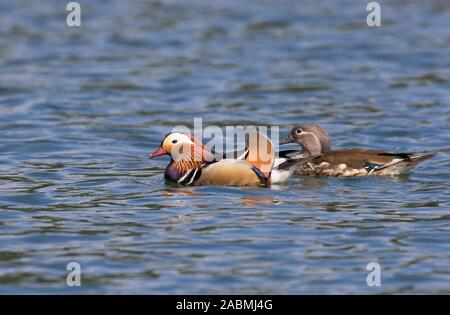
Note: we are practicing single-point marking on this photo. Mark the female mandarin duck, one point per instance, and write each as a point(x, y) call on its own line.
point(320, 160)
point(193, 164)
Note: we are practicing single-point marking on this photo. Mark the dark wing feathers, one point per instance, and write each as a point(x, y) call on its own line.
point(369, 159)
point(406, 156)
point(288, 153)
point(360, 158)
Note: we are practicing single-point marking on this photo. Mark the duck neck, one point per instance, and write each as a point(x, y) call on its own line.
point(177, 169)
point(180, 167)
point(311, 145)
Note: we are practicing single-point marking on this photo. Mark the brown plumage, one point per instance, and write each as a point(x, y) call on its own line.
point(347, 162)
point(229, 172)
point(313, 139)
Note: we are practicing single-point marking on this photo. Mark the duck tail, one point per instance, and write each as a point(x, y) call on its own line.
point(420, 158)
point(260, 151)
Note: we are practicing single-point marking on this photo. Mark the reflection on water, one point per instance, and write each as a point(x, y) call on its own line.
point(258, 201)
point(81, 108)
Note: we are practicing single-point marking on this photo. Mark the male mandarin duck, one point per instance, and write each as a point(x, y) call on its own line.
point(193, 164)
point(320, 160)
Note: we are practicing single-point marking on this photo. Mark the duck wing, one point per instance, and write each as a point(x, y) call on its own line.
point(366, 159)
point(261, 153)
point(358, 158)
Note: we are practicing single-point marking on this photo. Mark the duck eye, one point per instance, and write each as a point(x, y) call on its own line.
point(174, 141)
point(298, 131)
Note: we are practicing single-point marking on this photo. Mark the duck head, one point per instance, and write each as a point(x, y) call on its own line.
point(313, 139)
point(182, 147)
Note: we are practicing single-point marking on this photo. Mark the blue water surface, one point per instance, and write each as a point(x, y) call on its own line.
point(81, 108)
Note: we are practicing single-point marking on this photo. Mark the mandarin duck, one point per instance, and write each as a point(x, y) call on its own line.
point(320, 160)
point(193, 164)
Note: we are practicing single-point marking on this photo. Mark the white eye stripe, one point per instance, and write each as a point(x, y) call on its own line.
point(179, 138)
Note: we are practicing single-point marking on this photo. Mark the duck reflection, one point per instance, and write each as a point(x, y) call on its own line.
point(251, 201)
point(181, 191)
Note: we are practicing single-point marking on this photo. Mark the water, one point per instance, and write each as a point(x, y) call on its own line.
point(81, 108)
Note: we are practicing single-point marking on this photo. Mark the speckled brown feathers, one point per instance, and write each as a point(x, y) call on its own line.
point(358, 162)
